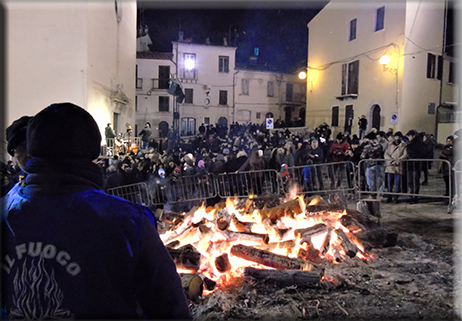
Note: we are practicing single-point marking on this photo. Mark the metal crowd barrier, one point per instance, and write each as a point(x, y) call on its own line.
point(244, 184)
point(183, 189)
point(405, 178)
point(321, 178)
point(457, 184)
point(136, 193)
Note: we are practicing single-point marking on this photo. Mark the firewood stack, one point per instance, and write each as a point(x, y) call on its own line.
point(285, 241)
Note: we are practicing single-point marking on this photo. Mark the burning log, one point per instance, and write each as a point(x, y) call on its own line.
point(188, 234)
point(222, 263)
point(241, 226)
point(270, 259)
point(208, 283)
point(285, 277)
point(322, 208)
point(290, 209)
point(377, 238)
point(171, 218)
point(326, 243)
point(276, 245)
point(237, 236)
point(351, 224)
point(186, 257)
point(336, 253)
point(367, 220)
point(307, 233)
point(192, 285)
point(349, 248)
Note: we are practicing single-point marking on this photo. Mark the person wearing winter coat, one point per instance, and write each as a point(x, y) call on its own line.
point(394, 156)
point(337, 155)
point(448, 154)
point(372, 152)
point(415, 150)
point(74, 251)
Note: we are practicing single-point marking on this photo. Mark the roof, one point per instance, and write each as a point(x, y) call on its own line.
point(154, 55)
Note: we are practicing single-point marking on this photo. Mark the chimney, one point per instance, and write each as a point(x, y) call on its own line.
point(225, 41)
point(180, 36)
point(207, 41)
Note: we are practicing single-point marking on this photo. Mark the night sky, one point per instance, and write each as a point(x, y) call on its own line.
point(278, 29)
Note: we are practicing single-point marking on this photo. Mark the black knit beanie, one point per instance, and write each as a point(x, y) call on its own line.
point(16, 133)
point(63, 131)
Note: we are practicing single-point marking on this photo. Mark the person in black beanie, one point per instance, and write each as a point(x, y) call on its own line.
point(73, 250)
point(16, 139)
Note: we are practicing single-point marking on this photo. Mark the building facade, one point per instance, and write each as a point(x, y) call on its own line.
point(79, 52)
point(347, 77)
point(213, 90)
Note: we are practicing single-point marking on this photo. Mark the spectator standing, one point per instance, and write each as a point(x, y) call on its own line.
point(372, 152)
point(110, 135)
point(145, 134)
point(120, 270)
point(316, 157)
point(362, 123)
point(447, 154)
point(394, 157)
point(337, 155)
point(415, 150)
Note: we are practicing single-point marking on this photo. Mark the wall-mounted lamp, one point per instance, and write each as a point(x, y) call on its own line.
point(384, 61)
point(302, 75)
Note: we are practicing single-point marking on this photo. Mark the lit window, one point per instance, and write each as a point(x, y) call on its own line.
point(189, 66)
point(350, 76)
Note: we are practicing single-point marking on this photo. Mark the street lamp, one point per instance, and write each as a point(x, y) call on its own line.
point(384, 61)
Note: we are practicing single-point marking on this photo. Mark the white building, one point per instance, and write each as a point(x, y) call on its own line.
point(215, 90)
point(79, 52)
point(346, 78)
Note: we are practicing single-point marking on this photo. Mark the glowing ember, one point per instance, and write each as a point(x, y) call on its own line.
point(287, 230)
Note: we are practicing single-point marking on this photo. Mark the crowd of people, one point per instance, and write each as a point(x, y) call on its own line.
point(57, 218)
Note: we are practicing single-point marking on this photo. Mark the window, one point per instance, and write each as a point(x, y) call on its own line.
point(245, 86)
point(223, 97)
point(270, 89)
point(207, 120)
point(164, 77)
point(139, 81)
point(439, 73)
point(350, 76)
point(380, 19)
point(115, 122)
point(431, 61)
point(352, 29)
point(136, 103)
point(188, 92)
point(289, 92)
point(223, 64)
point(451, 76)
point(164, 103)
point(189, 70)
point(335, 111)
point(258, 115)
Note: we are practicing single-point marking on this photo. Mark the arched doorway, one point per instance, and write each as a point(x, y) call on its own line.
point(163, 129)
point(269, 115)
point(222, 121)
point(376, 117)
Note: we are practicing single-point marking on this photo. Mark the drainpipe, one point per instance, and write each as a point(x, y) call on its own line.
point(234, 95)
point(445, 25)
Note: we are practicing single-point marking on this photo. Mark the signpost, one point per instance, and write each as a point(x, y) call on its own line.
point(269, 123)
point(394, 118)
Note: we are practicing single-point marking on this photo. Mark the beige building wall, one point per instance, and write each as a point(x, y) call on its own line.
point(79, 52)
point(411, 30)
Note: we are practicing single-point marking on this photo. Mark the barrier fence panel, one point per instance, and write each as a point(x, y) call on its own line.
point(183, 189)
point(244, 184)
point(136, 193)
point(414, 178)
point(457, 172)
point(321, 178)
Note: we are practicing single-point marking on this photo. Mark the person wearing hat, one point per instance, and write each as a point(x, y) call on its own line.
point(394, 156)
point(16, 139)
point(415, 150)
point(99, 255)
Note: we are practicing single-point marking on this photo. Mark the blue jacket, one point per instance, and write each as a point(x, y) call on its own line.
point(80, 253)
